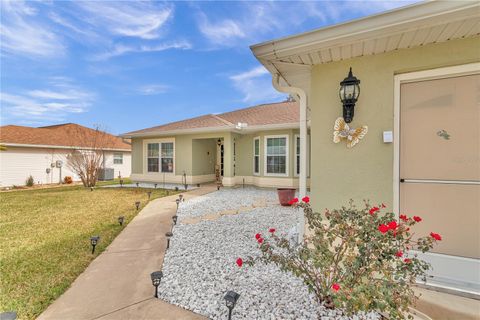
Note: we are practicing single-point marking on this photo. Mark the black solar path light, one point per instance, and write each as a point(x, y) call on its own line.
point(169, 234)
point(149, 193)
point(155, 185)
point(121, 219)
point(231, 300)
point(137, 184)
point(156, 278)
point(180, 196)
point(121, 183)
point(174, 219)
point(137, 204)
point(178, 202)
point(94, 241)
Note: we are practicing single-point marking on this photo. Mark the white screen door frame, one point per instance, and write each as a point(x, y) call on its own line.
point(443, 264)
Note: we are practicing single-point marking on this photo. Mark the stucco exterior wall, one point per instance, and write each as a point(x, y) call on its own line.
point(366, 171)
point(17, 163)
point(204, 159)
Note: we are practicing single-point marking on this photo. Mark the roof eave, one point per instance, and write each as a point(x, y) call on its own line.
point(46, 146)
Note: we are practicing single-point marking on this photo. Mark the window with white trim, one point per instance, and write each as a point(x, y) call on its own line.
point(256, 156)
point(117, 158)
point(160, 157)
point(276, 155)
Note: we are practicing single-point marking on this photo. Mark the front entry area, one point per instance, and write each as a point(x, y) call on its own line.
point(438, 169)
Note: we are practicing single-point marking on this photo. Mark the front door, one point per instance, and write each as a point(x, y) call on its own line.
point(439, 163)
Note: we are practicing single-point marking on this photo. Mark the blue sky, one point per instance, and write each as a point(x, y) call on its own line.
point(131, 65)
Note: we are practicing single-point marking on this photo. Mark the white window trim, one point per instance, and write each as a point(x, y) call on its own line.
point(287, 161)
point(295, 155)
point(256, 173)
point(146, 142)
point(121, 158)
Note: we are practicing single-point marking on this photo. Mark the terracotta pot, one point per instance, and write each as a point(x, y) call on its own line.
point(285, 195)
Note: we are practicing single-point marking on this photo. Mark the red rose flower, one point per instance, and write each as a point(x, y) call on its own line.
point(403, 217)
point(293, 201)
point(383, 228)
point(335, 287)
point(258, 236)
point(373, 210)
point(271, 230)
point(306, 199)
point(239, 262)
point(392, 225)
point(417, 219)
point(260, 240)
point(436, 236)
point(406, 260)
point(399, 254)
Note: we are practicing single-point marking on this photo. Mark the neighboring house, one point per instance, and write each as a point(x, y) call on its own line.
point(31, 151)
point(419, 68)
point(257, 146)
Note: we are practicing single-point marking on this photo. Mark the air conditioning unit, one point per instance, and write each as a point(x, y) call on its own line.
point(106, 174)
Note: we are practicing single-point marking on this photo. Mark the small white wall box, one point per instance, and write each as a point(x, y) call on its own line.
point(387, 136)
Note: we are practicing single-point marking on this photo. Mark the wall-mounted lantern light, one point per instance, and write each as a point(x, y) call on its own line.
point(168, 235)
point(349, 93)
point(219, 142)
point(156, 278)
point(231, 300)
point(93, 241)
point(121, 219)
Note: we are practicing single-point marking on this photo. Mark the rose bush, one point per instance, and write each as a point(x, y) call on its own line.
point(354, 259)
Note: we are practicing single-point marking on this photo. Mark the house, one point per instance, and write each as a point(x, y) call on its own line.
point(256, 146)
point(42, 152)
point(419, 72)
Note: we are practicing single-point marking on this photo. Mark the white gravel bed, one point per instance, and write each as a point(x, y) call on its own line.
point(199, 268)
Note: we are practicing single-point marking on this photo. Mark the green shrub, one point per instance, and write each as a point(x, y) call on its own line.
point(29, 182)
point(353, 259)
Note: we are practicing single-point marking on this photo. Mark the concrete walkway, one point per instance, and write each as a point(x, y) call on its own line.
point(117, 285)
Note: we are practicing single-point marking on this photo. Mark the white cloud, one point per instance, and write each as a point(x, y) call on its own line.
point(131, 19)
point(20, 33)
point(255, 85)
point(44, 105)
point(221, 31)
point(120, 49)
point(153, 89)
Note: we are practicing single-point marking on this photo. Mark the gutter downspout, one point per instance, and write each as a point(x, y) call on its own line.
point(303, 140)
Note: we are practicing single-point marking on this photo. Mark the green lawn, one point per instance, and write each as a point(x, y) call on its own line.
point(45, 239)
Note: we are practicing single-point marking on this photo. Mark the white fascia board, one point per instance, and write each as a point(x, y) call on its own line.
point(424, 14)
point(23, 145)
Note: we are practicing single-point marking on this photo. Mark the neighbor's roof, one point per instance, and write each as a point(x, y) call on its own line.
point(67, 135)
point(411, 26)
point(265, 116)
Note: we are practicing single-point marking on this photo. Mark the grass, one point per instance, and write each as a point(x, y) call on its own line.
point(45, 239)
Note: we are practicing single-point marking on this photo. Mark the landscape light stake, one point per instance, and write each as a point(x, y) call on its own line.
point(137, 184)
point(156, 278)
point(169, 234)
point(155, 185)
point(174, 219)
point(91, 188)
point(121, 183)
point(93, 241)
point(137, 204)
point(180, 196)
point(149, 193)
point(121, 219)
point(178, 202)
point(231, 300)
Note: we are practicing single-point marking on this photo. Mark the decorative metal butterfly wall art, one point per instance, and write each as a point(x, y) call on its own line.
point(341, 131)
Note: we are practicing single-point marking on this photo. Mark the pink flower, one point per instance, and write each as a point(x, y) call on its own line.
point(406, 260)
point(435, 236)
point(399, 254)
point(293, 201)
point(373, 210)
point(383, 228)
point(258, 236)
point(392, 225)
point(271, 230)
point(239, 262)
point(417, 219)
point(335, 287)
point(403, 217)
point(306, 199)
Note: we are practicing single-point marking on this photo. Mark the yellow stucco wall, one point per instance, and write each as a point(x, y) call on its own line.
point(366, 171)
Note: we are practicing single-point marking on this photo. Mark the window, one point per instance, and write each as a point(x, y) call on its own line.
point(276, 155)
point(256, 156)
point(167, 157)
point(160, 157)
point(118, 158)
point(297, 155)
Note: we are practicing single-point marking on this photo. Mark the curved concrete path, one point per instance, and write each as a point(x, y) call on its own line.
point(117, 285)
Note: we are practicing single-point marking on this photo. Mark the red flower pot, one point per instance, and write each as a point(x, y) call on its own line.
point(285, 195)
